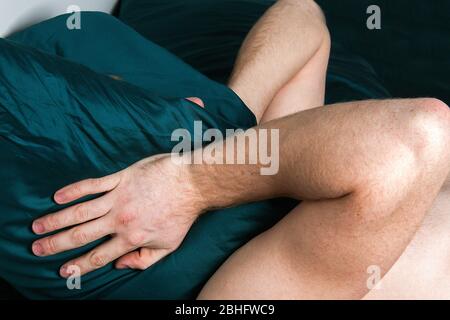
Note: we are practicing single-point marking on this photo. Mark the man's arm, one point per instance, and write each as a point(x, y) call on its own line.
point(283, 60)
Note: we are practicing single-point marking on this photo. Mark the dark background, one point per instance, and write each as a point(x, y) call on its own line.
point(411, 52)
point(410, 55)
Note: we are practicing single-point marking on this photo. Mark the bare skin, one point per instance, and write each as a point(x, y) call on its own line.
point(422, 271)
point(281, 66)
point(367, 173)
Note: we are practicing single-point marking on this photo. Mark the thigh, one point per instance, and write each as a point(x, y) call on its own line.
point(421, 272)
point(288, 262)
point(310, 254)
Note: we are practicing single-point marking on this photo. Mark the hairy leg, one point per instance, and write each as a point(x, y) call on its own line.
point(282, 63)
point(324, 247)
point(305, 90)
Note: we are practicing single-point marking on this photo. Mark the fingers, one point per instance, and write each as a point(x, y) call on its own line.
point(98, 257)
point(73, 238)
point(196, 101)
point(73, 215)
point(141, 259)
point(86, 187)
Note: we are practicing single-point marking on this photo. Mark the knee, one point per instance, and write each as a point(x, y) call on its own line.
point(423, 133)
point(420, 156)
point(318, 16)
point(309, 6)
point(429, 129)
point(313, 12)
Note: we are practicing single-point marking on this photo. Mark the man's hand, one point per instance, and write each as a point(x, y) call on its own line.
point(149, 206)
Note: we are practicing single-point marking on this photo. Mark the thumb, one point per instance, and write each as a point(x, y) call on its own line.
point(141, 259)
point(196, 101)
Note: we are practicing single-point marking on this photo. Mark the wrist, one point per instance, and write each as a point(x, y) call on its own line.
point(190, 179)
point(228, 176)
point(202, 186)
point(216, 186)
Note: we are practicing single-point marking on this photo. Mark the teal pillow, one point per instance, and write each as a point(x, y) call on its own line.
point(63, 118)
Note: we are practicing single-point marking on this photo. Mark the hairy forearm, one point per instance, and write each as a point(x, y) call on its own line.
point(224, 182)
point(277, 47)
point(324, 153)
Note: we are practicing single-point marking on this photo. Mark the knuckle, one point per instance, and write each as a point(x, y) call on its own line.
point(77, 188)
point(52, 222)
point(50, 245)
point(135, 239)
point(138, 262)
point(81, 213)
point(74, 191)
point(79, 237)
point(97, 260)
point(95, 182)
point(125, 218)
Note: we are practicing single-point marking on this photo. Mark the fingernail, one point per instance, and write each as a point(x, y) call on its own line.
point(37, 249)
point(122, 266)
point(59, 197)
point(63, 272)
point(38, 227)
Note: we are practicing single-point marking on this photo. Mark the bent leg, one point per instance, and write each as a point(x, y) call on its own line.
point(281, 66)
point(305, 90)
point(323, 248)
